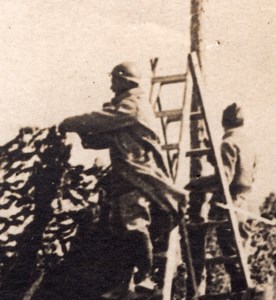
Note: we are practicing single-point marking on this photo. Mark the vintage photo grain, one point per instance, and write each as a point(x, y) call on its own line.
point(137, 150)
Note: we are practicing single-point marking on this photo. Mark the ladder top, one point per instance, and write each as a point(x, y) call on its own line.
point(169, 79)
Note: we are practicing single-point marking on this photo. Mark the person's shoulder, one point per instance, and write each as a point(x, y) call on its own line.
point(132, 99)
point(136, 95)
point(235, 135)
point(238, 140)
point(230, 142)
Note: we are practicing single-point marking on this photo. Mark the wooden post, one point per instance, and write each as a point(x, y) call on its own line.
point(198, 131)
point(196, 40)
point(196, 28)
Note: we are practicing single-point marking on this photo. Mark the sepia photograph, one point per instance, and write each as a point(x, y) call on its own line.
point(137, 150)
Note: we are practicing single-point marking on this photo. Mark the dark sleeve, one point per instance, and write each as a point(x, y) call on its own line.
point(229, 159)
point(98, 122)
point(97, 142)
point(96, 129)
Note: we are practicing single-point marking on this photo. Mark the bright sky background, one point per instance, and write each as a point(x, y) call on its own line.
point(55, 57)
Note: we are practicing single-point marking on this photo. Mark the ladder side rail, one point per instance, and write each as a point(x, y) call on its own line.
point(182, 176)
point(171, 267)
point(188, 253)
point(153, 63)
point(185, 113)
point(197, 80)
point(174, 234)
point(180, 231)
point(157, 102)
point(164, 131)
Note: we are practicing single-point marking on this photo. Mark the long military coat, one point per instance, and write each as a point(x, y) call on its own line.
point(125, 126)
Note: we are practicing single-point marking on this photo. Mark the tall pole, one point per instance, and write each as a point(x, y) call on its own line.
point(196, 45)
point(196, 199)
point(196, 40)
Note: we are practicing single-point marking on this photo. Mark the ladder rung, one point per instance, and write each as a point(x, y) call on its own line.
point(196, 115)
point(221, 259)
point(222, 296)
point(208, 224)
point(198, 152)
point(169, 113)
point(169, 79)
point(170, 147)
point(173, 119)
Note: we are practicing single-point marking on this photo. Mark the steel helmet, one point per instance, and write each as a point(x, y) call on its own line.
point(127, 70)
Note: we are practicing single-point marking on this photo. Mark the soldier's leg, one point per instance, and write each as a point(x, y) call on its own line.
point(120, 260)
point(135, 216)
point(227, 245)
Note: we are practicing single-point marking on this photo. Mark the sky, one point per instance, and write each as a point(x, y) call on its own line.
point(242, 69)
point(56, 57)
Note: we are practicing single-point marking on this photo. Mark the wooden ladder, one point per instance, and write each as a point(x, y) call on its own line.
point(178, 154)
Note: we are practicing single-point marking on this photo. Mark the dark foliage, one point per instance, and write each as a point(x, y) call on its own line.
point(263, 244)
point(261, 248)
point(44, 202)
point(54, 243)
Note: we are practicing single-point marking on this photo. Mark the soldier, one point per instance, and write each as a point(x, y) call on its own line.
point(239, 164)
point(139, 179)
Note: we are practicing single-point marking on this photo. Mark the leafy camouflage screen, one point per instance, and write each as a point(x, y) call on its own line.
point(49, 224)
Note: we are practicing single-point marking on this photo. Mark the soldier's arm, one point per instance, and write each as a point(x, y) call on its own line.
point(104, 121)
point(97, 122)
point(97, 142)
point(96, 129)
point(229, 159)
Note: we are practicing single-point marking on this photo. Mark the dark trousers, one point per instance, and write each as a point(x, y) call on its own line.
point(129, 221)
point(227, 245)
